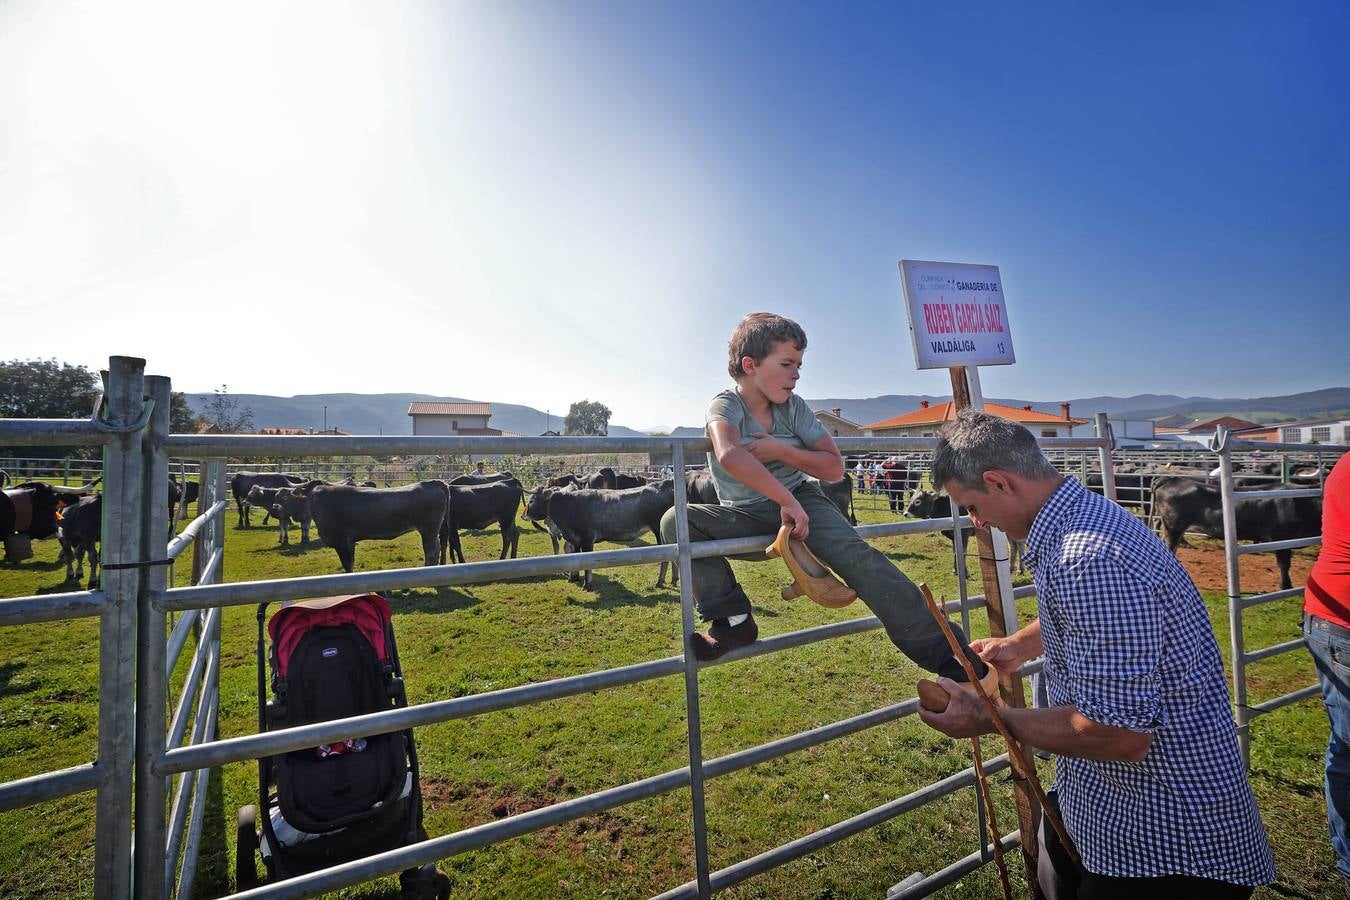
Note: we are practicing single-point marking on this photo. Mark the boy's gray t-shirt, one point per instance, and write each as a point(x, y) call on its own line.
point(793, 423)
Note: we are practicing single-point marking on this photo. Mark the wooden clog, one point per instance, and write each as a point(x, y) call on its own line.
point(809, 577)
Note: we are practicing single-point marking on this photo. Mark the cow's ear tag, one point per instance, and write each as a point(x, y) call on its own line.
point(329, 652)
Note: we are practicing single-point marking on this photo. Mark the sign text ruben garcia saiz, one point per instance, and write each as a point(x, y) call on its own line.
point(956, 315)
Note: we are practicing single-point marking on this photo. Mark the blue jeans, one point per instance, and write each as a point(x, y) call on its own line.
point(1329, 644)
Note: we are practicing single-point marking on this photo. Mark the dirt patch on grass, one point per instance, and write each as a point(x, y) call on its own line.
point(482, 800)
point(1257, 572)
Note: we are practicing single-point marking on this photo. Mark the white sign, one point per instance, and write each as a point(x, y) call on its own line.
point(956, 315)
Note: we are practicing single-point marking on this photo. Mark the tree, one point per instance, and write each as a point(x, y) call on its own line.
point(586, 417)
point(181, 418)
point(46, 389)
point(223, 412)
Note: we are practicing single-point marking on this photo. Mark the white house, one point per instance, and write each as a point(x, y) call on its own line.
point(436, 417)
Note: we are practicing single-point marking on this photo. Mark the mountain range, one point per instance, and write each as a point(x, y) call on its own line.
point(388, 413)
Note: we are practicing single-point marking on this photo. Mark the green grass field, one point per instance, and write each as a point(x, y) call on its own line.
point(464, 641)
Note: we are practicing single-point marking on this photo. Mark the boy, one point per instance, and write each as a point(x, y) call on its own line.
point(765, 442)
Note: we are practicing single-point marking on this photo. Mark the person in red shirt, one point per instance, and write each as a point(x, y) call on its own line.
point(1326, 628)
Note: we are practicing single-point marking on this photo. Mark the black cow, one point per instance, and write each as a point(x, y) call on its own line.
point(28, 512)
point(345, 515)
point(840, 493)
point(538, 501)
point(700, 487)
point(80, 531)
point(485, 478)
point(187, 493)
point(1132, 489)
point(931, 505)
point(242, 482)
point(265, 498)
point(480, 505)
point(583, 517)
point(293, 505)
point(1181, 503)
point(1307, 475)
point(893, 481)
point(608, 479)
point(564, 480)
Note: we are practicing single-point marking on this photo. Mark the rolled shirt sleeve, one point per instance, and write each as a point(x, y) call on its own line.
point(1113, 633)
point(805, 424)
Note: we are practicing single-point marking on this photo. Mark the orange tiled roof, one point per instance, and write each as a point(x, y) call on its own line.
point(937, 413)
point(437, 408)
point(1233, 423)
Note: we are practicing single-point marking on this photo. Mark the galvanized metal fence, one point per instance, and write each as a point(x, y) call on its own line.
point(1244, 711)
point(138, 651)
point(118, 430)
point(693, 776)
point(137, 415)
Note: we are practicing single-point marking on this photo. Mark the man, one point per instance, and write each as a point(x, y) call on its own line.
point(1326, 628)
point(1149, 778)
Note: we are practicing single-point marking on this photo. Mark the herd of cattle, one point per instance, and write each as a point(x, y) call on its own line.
point(578, 511)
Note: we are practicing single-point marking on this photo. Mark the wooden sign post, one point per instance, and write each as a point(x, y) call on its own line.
point(958, 321)
point(1001, 607)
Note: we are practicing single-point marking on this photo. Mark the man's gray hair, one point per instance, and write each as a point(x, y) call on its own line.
point(977, 442)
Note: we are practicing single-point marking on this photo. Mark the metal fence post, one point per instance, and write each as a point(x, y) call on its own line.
point(150, 677)
point(690, 672)
point(1103, 429)
point(1230, 548)
point(122, 485)
point(205, 497)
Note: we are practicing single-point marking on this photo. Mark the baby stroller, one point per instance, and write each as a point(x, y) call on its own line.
point(332, 658)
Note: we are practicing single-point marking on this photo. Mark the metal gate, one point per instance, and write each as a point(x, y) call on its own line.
point(1225, 445)
point(139, 647)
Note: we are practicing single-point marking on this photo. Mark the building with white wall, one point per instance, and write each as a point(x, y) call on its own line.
point(446, 418)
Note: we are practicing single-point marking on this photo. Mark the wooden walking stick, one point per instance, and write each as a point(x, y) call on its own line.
point(1019, 762)
point(932, 696)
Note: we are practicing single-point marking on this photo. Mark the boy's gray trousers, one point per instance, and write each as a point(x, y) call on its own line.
point(892, 597)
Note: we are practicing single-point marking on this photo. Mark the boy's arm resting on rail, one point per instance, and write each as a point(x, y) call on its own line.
point(822, 461)
point(749, 471)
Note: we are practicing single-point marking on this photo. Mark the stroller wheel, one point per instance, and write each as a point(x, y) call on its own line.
point(245, 846)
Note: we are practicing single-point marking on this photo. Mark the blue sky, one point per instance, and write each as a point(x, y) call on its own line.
point(542, 202)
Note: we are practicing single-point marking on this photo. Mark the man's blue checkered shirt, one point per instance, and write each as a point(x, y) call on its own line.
point(1128, 642)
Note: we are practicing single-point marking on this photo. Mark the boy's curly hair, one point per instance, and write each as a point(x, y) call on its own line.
point(755, 337)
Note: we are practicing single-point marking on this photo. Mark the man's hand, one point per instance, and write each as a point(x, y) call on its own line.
point(1000, 652)
point(793, 514)
point(965, 716)
point(1006, 654)
point(765, 447)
